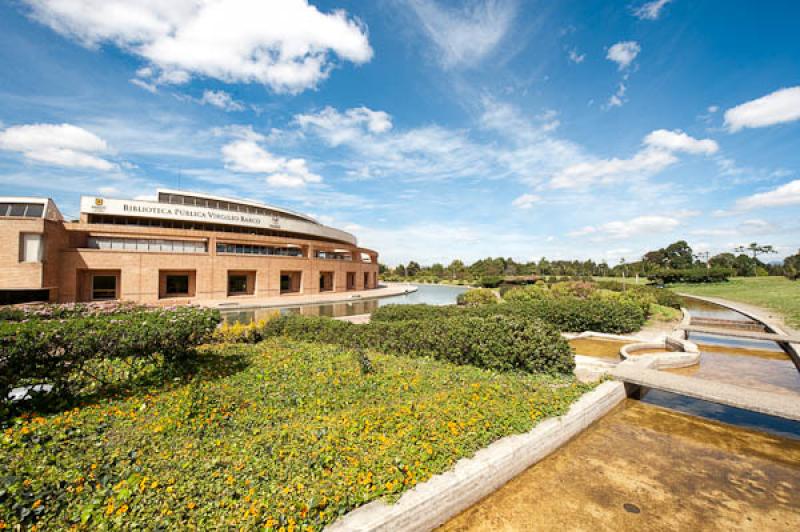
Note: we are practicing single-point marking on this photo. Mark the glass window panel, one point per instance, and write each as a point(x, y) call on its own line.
point(4, 208)
point(35, 210)
point(177, 284)
point(17, 209)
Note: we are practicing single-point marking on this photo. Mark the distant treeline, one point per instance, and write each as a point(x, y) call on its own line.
point(674, 263)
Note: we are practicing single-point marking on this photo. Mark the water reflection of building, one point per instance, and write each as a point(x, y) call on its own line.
point(181, 247)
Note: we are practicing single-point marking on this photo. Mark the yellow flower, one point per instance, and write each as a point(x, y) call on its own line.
point(191, 505)
point(122, 509)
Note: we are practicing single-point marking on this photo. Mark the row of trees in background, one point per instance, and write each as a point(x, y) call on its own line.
point(671, 264)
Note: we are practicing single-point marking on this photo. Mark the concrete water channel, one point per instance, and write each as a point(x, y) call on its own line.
point(667, 461)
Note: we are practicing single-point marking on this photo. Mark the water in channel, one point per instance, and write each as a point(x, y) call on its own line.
point(667, 462)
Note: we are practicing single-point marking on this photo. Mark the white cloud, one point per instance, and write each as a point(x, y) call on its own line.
point(57, 144)
point(641, 225)
point(575, 57)
point(465, 36)
point(287, 45)
point(618, 98)
point(222, 100)
point(623, 53)
point(657, 154)
point(246, 156)
point(775, 108)
point(788, 194)
point(713, 108)
point(677, 140)
point(338, 128)
point(526, 201)
point(650, 10)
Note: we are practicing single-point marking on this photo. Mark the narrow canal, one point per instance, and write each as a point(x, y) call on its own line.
point(667, 462)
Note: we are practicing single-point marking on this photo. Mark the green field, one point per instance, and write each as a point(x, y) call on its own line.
point(279, 435)
point(775, 293)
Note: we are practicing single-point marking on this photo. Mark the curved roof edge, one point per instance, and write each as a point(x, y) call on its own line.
point(251, 203)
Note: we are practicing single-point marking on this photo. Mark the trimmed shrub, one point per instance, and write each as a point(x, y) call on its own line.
point(60, 352)
point(662, 296)
point(495, 342)
point(565, 313)
point(692, 275)
point(242, 333)
point(477, 296)
point(534, 292)
point(581, 289)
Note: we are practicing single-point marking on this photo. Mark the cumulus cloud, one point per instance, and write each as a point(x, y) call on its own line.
point(620, 229)
point(338, 128)
point(623, 53)
point(677, 140)
point(287, 45)
point(575, 57)
point(222, 100)
point(618, 98)
point(658, 153)
point(650, 10)
point(788, 194)
point(57, 144)
point(777, 107)
point(526, 201)
point(247, 156)
point(465, 36)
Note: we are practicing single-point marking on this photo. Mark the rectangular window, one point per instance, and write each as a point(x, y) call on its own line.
point(104, 287)
point(31, 247)
point(177, 285)
point(237, 284)
point(18, 209)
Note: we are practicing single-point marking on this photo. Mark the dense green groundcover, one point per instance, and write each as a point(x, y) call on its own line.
point(281, 433)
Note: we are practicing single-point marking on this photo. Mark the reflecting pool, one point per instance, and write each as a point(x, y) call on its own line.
point(430, 294)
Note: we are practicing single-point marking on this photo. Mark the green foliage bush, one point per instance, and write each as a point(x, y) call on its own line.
point(791, 267)
point(662, 296)
point(490, 281)
point(60, 351)
point(692, 275)
point(502, 343)
point(477, 296)
point(565, 313)
point(533, 292)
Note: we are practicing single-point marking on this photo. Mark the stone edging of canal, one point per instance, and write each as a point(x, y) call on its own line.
point(444, 496)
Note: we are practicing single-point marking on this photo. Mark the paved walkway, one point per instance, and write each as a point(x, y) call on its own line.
point(773, 404)
point(385, 290)
point(739, 333)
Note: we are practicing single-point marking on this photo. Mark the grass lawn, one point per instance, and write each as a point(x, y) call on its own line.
point(279, 434)
point(776, 293)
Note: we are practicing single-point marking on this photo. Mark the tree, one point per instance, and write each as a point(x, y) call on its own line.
point(723, 260)
point(679, 255)
point(413, 269)
point(456, 270)
point(791, 266)
point(400, 270)
point(756, 249)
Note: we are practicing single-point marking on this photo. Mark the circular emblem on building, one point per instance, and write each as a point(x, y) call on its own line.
point(98, 202)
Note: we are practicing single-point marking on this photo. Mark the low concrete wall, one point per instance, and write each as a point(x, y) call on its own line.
point(444, 496)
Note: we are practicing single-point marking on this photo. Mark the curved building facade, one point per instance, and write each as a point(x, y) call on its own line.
point(183, 247)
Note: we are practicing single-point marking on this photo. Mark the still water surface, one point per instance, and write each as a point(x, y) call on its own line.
point(426, 293)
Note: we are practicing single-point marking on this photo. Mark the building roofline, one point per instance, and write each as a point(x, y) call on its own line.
point(250, 203)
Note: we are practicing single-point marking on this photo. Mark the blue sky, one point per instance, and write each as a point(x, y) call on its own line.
point(433, 130)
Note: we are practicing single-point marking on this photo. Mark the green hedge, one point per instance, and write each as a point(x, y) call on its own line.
point(692, 275)
point(565, 313)
point(60, 352)
point(662, 296)
point(477, 296)
point(495, 342)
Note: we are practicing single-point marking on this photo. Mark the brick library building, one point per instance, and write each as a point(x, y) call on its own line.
point(183, 247)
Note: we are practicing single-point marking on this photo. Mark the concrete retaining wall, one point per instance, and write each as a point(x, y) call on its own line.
point(444, 496)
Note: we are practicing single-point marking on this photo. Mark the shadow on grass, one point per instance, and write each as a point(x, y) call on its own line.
point(209, 364)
